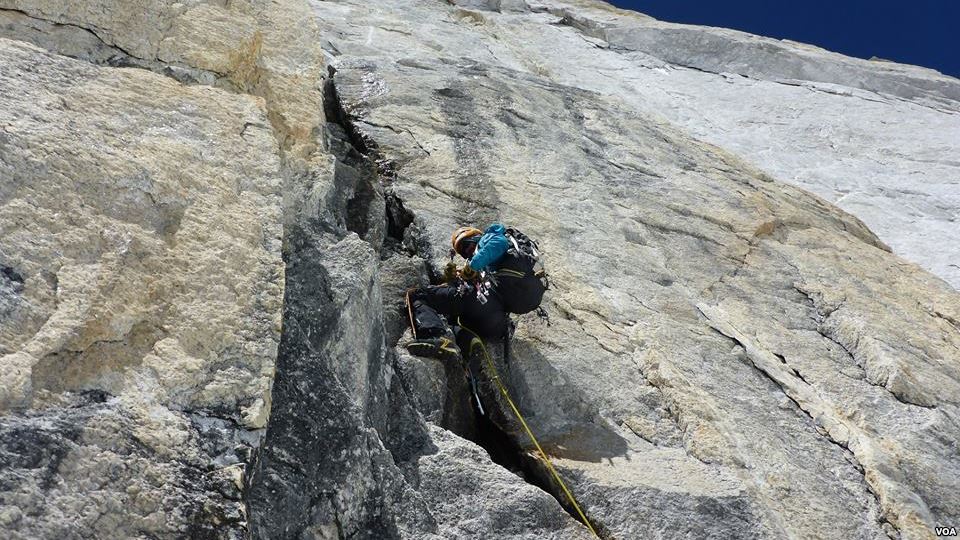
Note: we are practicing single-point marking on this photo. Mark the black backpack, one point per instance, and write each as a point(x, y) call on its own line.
point(520, 278)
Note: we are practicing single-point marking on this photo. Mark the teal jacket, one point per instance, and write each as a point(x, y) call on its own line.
point(491, 248)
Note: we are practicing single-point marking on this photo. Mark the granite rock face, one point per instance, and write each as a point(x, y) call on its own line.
point(727, 350)
point(204, 257)
point(355, 447)
point(128, 200)
point(152, 331)
point(877, 139)
point(142, 278)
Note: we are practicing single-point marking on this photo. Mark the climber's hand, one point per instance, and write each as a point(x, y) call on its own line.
point(450, 272)
point(468, 273)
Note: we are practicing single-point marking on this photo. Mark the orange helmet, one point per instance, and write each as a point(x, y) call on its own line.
point(462, 234)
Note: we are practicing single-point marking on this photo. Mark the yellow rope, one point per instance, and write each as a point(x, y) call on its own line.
point(506, 395)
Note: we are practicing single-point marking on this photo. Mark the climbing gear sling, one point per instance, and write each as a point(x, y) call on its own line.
point(413, 327)
point(475, 341)
point(472, 381)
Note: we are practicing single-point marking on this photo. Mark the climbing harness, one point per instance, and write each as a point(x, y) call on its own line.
point(506, 395)
point(466, 369)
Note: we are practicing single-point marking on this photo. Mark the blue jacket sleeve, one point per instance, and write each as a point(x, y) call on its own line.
point(492, 246)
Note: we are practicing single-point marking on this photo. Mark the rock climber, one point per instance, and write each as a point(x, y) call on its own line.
point(499, 277)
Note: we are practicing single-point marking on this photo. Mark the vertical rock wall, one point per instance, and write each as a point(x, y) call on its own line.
point(143, 279)
point(708, 365)
point(348, 452)
point(139, 407)
point(141, 242)
point(202, 262)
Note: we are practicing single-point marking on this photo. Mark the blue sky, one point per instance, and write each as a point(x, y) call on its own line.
point(921, 32)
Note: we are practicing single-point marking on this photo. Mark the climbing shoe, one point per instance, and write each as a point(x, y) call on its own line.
point(442, 347)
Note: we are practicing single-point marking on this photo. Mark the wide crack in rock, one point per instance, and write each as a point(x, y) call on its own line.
point(143, 292)
point(630, 335)
point(476, 423)
point(372, 463)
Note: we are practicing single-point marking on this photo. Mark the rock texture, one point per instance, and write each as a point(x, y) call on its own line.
point(142, 275)
point(142, 290)
point(876, 138)
point(762, 346)
point(203, 258)
point(141, 256)
point(348, 452)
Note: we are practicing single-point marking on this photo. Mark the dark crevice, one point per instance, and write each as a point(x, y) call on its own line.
point(467, 422)
point(11, 275)
point(791, 369)
point(372, 198)
point(398, 217)
point(504, 450)
point(358, 209)
point(373, 205)
point(357, 201)
point(333, 108)
point(498, 432)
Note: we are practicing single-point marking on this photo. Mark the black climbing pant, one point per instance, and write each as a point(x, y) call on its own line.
point(460, 306)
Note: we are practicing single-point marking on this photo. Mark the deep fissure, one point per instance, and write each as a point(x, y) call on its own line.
point(337, 114)
point(509, 454)
point(502, 448)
